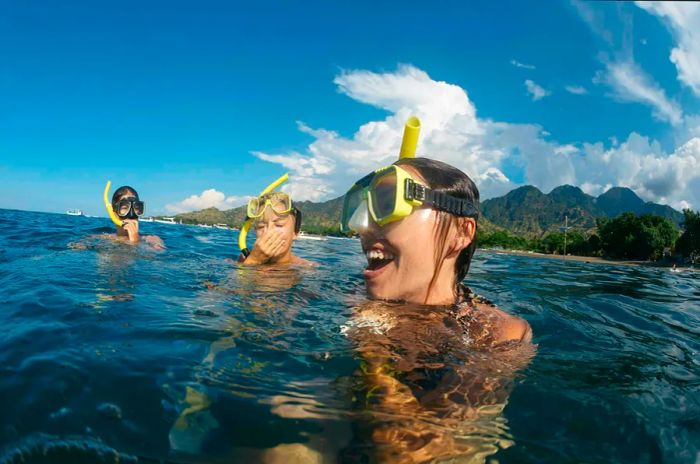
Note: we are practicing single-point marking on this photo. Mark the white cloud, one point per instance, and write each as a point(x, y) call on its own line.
point(452, 132)
point(642, 165)
point(595, 20)
point(631, 84)
point(210, 198)
point(683, 18)
point(576, 89)
point(566, 150)
point(536, 92)
point(518, 64)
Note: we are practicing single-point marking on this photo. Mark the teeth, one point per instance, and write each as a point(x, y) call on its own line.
point(379, 254)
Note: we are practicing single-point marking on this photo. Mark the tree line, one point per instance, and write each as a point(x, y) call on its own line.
point(628, 236)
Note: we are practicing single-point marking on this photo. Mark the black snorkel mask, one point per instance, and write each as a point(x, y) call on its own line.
point(128, 208)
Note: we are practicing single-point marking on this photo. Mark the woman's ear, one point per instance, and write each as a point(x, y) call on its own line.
point(463, 237)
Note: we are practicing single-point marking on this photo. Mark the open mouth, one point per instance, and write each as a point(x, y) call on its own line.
point(377, 259)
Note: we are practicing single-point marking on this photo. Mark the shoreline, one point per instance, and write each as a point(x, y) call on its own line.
point(591, 259)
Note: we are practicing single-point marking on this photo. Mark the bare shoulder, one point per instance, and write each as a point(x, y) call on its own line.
point(507, 327)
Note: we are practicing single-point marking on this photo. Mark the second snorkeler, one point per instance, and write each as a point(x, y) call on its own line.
point(277, 223)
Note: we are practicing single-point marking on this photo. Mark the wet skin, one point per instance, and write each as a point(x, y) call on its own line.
point(274, 237)
point(410, 340)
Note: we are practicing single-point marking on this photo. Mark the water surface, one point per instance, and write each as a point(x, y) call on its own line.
point(121, 353)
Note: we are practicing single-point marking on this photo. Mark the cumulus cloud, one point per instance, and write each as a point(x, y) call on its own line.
point(518, 64)
point(535, 91)
point(631, 84)
point(452, 132)
point(210, 198)
point(576, 89)
point(642, 165)
point(683, 18)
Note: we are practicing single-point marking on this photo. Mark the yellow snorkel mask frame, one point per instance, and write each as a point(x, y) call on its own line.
point(279, 202)
point(110, 210)
point(390, 193)
point(243, 234)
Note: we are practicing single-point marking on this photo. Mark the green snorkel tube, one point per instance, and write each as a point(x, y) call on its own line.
point(243, 235)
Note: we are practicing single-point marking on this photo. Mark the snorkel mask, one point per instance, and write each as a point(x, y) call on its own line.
point(281, 203)
point(128, 208)
point(391, 193)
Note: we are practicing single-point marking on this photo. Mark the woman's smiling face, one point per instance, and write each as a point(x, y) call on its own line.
point(401, 255)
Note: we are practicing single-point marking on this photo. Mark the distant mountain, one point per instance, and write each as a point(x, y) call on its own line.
point(321, 217)
point(619, 200)
point(526, 210)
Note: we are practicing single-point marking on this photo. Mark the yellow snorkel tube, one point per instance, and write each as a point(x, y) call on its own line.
point(243, 235)
point(112, 215)
point(410, 138)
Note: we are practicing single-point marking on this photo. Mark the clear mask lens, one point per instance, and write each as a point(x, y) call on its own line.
point(383, 196)
point(359, 221)
point(138, 208)
point(351, 202)
point(123, 208)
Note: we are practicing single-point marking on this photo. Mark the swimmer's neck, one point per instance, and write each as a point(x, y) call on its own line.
point(442, 293)
point(286, 258)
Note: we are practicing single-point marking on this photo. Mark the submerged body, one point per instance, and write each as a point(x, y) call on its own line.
point(436, 357)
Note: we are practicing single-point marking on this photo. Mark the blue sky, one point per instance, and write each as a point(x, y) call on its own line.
point(183, 98)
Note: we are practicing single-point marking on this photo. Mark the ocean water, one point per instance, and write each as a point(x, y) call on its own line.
point(113, 353)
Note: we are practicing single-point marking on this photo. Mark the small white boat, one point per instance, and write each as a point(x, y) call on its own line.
point(166, 220)
point(74, 212)
point(221, 226)
point(206, 226)
point(146, 219)
point(304, 236)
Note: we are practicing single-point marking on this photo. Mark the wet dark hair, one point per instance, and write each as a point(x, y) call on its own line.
point(442, 177)
point(297, 218)
point(124, 191)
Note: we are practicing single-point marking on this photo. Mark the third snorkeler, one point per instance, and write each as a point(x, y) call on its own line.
point(124, 210)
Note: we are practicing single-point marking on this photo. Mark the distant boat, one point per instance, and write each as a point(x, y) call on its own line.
point(146, 219)
point(206, 226)
point(221, 226)
point(166, 220)
point(74, 212)
point(305, 236)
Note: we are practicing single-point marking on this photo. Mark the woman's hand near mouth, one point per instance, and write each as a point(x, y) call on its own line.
point(132, 229)
point(267, 247)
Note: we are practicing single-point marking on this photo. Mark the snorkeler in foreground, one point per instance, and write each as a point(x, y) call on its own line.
point(124, 210)
point(277, 222)
point(417, 220)
point(438, 361)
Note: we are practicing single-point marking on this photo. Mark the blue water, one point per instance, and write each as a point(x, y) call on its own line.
point(114, 353)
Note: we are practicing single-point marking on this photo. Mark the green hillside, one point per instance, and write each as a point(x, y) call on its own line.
point(528, 211)
point(525, 211)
